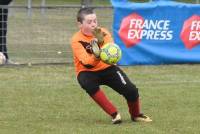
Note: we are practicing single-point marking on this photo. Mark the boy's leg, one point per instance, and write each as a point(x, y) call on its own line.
point(89, 81)
point(100, 98)
point(134, 108)
point(118, 81)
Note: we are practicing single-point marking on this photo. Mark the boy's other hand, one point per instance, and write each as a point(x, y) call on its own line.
point(99, 35)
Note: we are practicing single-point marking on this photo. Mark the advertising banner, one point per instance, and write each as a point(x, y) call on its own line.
point(158, 32)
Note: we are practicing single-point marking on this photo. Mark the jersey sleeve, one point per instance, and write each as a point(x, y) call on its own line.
point(86, 59)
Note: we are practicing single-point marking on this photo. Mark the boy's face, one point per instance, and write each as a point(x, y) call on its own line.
point(88, 24)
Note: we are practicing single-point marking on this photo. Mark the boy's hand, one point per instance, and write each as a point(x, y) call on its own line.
point(95, 48)
point(99, 35)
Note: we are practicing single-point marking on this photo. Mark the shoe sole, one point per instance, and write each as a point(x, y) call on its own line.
point(117, 122)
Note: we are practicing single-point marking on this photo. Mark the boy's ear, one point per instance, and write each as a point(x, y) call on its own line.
point(79, 24)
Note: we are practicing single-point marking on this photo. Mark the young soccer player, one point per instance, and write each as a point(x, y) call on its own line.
point(92, 72)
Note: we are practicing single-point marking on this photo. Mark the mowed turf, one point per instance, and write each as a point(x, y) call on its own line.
point(48, 100)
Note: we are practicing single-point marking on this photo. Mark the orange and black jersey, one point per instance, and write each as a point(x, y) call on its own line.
point(84, 60)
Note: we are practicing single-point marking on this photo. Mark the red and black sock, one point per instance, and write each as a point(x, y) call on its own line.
point(134, 108)
point(100, 98)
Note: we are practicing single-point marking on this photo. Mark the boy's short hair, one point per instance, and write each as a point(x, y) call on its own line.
point(84, 11)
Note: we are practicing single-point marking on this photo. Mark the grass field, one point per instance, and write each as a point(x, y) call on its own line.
point(48, 100)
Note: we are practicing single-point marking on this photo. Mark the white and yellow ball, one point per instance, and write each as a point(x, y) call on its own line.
point(110, 53)
point(2, 58)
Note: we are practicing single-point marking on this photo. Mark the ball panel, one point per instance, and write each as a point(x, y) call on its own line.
point(104, 56)
point(112, 50)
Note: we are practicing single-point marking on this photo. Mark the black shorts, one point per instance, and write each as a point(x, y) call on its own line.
point(113, 77)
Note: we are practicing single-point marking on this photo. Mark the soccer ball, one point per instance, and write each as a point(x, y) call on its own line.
point(2, 58)
point(110, 53)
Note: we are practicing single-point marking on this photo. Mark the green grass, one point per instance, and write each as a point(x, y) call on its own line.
point(48, 100)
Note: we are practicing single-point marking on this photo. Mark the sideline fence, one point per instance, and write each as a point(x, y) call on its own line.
point(45, 38)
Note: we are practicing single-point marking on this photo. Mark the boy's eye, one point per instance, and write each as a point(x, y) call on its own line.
point(90, 21)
